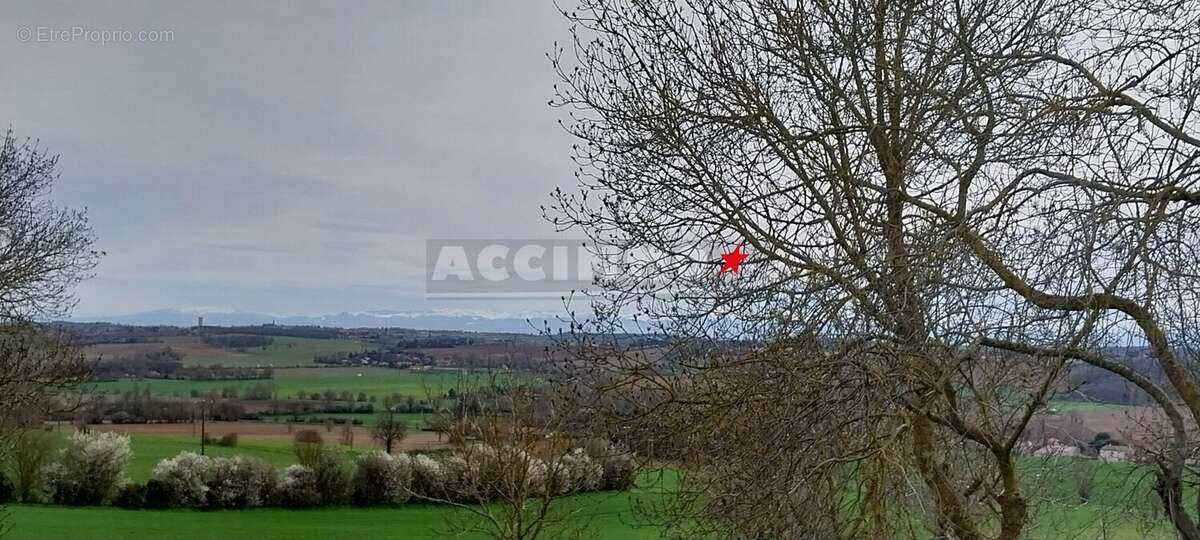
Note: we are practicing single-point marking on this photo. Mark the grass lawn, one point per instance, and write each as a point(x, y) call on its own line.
point(1120, 502)
point(609, 515)
point(374, 381)
point(148, 450)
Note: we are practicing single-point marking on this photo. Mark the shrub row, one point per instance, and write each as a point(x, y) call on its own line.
point(89, 471)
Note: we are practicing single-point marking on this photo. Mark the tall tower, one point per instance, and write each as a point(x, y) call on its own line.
point(200, 321)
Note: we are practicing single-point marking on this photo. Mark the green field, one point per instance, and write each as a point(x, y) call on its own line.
point(415, 421)
point(284, 351)
point(148, 450)
point(609, 515)
point(1064, 405)
point(374, 381)
point(1120, 505)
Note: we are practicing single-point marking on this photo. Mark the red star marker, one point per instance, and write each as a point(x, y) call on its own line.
point(733, 260)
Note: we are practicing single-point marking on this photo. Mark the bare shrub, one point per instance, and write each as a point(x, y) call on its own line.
point(31, 450)
point(228, 440)
point(333, 477)
point(1081, 475)
point(309, 446)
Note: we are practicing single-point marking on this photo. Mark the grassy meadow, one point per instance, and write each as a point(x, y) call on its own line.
point(1065, 406)
point(610, 515)
point(148, 450)
point(373, 381)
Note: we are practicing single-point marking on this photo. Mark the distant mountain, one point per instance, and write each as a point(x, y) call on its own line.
point(508, 323)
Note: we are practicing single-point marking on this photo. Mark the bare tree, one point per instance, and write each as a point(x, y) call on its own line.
point(32, 449)
point(38, 372)
point(515, 444)
point(46, 250)
point(389, 430)
point(956, 201)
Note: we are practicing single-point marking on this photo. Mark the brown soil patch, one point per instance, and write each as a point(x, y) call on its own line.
point(1124, 423)
point(187, 345)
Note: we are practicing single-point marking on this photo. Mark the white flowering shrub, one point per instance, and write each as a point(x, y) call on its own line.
point(459, 478)
point(477, 473)
point(507, 471)
point(89, 469)
point(380, 478)
point(185, 479)
point(297, 487)
point(584, 473)
point(239, 481)
point(484, 472)
point(428, 477)
point(558, 477)
point(538, 475)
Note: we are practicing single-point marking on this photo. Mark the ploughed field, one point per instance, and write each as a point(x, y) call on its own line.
point(283, 351)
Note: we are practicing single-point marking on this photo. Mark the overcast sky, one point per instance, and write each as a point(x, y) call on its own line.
point(289, 157)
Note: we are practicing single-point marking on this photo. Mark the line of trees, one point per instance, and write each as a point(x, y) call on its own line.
point(238, 341)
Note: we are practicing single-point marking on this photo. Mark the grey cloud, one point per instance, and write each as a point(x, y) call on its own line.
point(340, 227)
point(281, 132)
point(253, 249)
